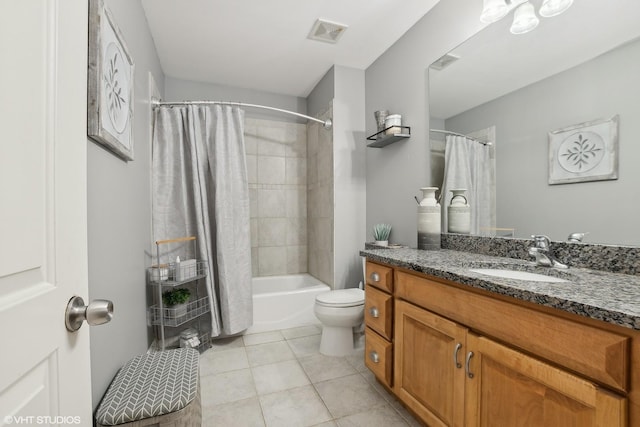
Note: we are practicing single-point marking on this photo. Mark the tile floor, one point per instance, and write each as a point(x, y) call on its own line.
point(279, 378)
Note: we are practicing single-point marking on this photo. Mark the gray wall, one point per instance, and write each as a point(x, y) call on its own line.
point(601, 88)
point(322, 94)
point(397, 82)
point(185, 90)
point(349, 175)
point(119, 217)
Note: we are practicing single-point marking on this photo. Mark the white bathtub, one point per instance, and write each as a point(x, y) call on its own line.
point(281, 302)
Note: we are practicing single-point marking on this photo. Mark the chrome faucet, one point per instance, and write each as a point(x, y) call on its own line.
point(576, 237)
point(542, 251)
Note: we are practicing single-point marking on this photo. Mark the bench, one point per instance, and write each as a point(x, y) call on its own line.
point(157, 389)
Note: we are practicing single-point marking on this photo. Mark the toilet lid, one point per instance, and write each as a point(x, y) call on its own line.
point(341, 297)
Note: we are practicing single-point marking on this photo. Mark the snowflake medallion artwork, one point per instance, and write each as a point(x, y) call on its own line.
point(110, 84)
point(584, 152)
point(116, 88)
point(581, 152)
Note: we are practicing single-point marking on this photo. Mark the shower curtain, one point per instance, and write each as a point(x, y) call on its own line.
point(471, 165)
point(200, 188)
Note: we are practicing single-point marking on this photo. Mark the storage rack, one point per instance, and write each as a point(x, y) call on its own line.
point(173, 275)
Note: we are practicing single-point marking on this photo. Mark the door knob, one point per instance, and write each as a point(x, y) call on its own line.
point(96, 313)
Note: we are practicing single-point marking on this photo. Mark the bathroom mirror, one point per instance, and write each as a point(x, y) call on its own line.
point(581, 66)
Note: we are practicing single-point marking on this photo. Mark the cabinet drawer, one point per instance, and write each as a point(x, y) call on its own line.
point(380, 276)
point(593, 352)
point(378, 356)
point(378, 312)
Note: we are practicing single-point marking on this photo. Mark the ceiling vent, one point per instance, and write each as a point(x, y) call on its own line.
point(326, 31)
point(444, 62)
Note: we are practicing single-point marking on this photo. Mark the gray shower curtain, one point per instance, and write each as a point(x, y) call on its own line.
point(200, 188)
point(469, 164)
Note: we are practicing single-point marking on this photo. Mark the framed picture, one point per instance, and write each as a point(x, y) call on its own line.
point(584, 152)
point(110, 84)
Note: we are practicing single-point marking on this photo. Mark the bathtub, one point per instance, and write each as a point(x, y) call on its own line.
point(282, 302)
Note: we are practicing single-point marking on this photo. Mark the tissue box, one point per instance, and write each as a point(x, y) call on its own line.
point(186, 269)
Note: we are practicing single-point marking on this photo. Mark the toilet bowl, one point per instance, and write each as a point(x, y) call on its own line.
point(339, 312)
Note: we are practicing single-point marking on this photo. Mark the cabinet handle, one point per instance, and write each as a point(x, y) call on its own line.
point(374, 357)
point(467, 363)
point(373, 311)
point(375, 277)
point(455, 356)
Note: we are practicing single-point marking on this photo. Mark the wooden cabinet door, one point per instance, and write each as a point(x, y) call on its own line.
point(511, 389)
point(428, 369)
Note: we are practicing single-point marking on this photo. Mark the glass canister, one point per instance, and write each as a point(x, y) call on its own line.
point(459, 212)
point(429, 220)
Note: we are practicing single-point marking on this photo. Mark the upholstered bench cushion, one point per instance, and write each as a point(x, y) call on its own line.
point(150, 385)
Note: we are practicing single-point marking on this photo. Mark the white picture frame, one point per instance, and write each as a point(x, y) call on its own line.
point(584, 152)
point(110, 84)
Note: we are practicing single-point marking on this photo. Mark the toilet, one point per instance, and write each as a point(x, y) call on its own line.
point(339, 312)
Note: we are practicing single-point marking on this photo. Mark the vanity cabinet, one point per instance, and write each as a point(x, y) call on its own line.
point(464, 357)
point(378, 319)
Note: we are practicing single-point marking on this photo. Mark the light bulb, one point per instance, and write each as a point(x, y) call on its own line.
point(551, 8)
point(524, 19)
point(493, 11)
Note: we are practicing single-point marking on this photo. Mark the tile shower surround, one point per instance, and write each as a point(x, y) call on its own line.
point(290, 172)
point(279, 378)
point(277, 173)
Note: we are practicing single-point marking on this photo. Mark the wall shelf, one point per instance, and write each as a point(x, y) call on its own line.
point(380, 139)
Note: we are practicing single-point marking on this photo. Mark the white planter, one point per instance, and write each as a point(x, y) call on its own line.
point(176, 311)
point(382, 242)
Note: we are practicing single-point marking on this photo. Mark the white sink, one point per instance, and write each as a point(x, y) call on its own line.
point(518, 275)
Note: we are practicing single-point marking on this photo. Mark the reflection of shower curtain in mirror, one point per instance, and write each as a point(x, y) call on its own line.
point(200, 188)
point(471, 165)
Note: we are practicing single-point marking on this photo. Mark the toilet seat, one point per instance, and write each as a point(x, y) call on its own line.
point(341, 298)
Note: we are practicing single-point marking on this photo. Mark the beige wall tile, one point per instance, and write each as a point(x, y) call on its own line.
point(296, 203)
point(252, 168)
point(271, 170)
point(272, 261)
point(296, 259)
point(296, 231)
point(253, 225)
point(271, 203)
point(296, 171)
point(272, 231)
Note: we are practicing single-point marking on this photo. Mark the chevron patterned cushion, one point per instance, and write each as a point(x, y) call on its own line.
point(150, 385)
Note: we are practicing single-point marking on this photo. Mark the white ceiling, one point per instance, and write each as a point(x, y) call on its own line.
point(263, 45)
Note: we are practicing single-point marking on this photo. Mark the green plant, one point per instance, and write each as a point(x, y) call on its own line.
point(381, 232)
point(175, 297)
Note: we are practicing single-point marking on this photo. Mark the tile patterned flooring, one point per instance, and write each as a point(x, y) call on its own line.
point(277, 379)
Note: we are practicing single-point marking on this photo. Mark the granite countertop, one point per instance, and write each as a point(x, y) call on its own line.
point(610, 297)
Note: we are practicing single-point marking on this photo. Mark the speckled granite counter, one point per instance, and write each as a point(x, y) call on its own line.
point(610, 297)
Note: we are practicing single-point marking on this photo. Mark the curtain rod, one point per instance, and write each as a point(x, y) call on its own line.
point(448, 132)
point(157, 103)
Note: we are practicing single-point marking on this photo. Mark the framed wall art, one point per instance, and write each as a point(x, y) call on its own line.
point(110, 84)
point(584, 152)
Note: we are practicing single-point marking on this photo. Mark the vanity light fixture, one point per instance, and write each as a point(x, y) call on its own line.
point(524, 17)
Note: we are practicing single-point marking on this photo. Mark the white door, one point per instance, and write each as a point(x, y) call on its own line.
point(44, 370)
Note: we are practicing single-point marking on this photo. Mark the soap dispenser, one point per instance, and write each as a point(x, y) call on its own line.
point(429, 224)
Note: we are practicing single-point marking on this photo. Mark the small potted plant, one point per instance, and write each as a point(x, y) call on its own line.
point(175, 302)
point(381, 234)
